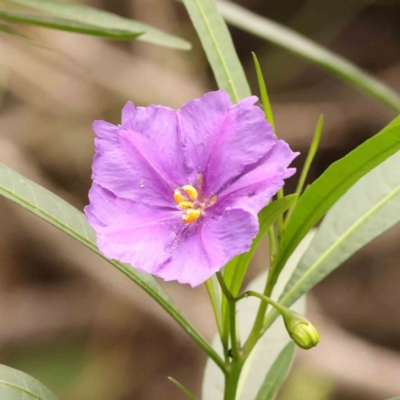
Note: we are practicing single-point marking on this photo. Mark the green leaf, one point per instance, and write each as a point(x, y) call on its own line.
point(395, 398)
point(218, 45)
point(332, 184)
point(103, 21)
point(67, 218)
point(277, 374)
point(367, 210)
point(66, 25)
point(16, 385)
point(269, 115)
point(268, 347)
point(290, 40)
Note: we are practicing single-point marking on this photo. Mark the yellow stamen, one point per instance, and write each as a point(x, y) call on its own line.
point(191, 216)
point(178, 197)
point(191, 192)
point(185, 205)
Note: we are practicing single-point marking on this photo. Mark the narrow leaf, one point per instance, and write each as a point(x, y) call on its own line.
point(217, 44)
point(181, 387)
point(332, 184)
point(67, 218)
point(16, 385)
point(310, 157)
point(311, 154)
point(296, 43)
point(367, 210)
point(66, 25)
point(269, 115)
point(214, 293)
point(103, 20)
point(277, 374)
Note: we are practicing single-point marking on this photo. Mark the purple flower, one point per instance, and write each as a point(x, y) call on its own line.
point(176, 193)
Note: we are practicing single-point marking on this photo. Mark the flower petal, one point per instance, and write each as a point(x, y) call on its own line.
point(222, 139)
point(255, 188)
point(106, 209)
point(145, 164)
point(200, 121)
point(156, 133)
point(131, 233)
point(207, 246)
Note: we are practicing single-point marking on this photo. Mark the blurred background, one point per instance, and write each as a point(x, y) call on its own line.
point(82, 328)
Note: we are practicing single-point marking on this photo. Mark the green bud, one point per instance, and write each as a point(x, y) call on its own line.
point(305, 335)
point(302, 332)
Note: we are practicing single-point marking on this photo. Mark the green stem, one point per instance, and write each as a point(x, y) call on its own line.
point(232, 379)
point(271, 242)
point(229, 296)
point(232, 315)
point(257, 329)
point(280, 219)
point(266, 299)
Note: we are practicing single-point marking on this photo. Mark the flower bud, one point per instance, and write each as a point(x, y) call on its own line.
point(302, 332)
point(305, 335)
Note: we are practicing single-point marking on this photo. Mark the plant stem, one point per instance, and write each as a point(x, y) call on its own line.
point(233, 369)
point(280, 219)
point(225, 290)
point(271, 242)
point(232, 379)
point(258, 326)
point(218, 317)
point(266, 299)
point(232, 315)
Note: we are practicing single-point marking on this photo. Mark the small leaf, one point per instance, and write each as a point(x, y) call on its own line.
point(218, 45)
point(66, 25)
point(307, 164)
point(103, 20)
point(332, 184)
point(269, 115)
point(277, 374)
point(16, 385)
point(67, 218)
point(367, 210)
point(298, 44)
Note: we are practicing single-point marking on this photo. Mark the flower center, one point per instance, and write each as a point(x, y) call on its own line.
point(187, 199)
